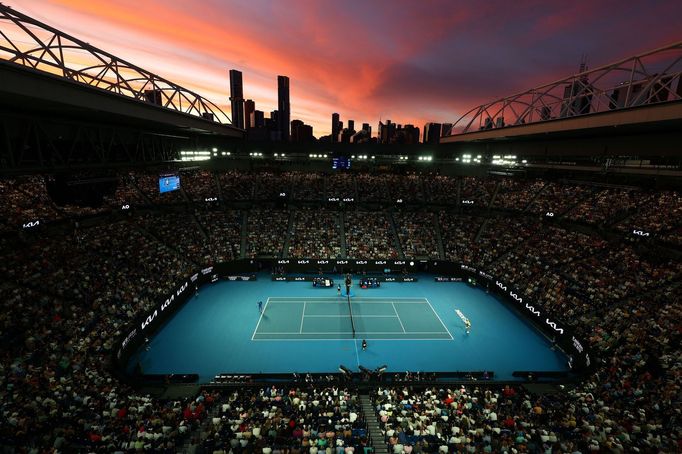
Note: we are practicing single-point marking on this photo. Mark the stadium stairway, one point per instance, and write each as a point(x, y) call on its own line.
point(342, 232)
point(290, 230)
point(244, 234)
point(216, 180)
point(396, 238)
point(439, 237)
point(375, 434)
point(534, 197)
point(494, 196)
point(140, 192)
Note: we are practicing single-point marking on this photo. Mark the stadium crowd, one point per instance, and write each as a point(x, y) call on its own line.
point(69, 290)
point(285, 419)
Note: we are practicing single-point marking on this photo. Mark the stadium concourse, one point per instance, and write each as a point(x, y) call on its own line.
point(604, 259)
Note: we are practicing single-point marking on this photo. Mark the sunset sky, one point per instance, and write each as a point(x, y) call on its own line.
point(408, 61)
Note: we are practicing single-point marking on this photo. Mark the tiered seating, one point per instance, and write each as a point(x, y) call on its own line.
point(224, 233)
point(287, 420)
point(199, 185)
point(458, 233)
point(408, 188)
point(235, 185)
point(267, 231)
point(442, 189)
point(25, 199)
point(315, 234)
point(178, 231)
point(125, 194)
point(605, 205)
point(372, 188)
point(557, 198)
point(477, 190)
point(341, 185)
point(516, 194)
point(659, 214)
point(417, 234)
point(307, 186)
point(269, 186)
point(369, 236)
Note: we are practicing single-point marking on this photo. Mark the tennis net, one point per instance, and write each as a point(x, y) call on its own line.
point(350, 311)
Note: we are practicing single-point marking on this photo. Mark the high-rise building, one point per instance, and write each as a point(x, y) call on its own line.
point(237, 98)
point(386, 132)
point(301, 132)
point(351, 126)
point(249, 108)
point(366, 127)
point(577, 95)
point(258, 119)
point(335, 127)
point(283, 107)
point(446, 129)
point(432, 133)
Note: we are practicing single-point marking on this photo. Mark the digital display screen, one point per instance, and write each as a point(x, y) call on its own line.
point(340, 163)
point(169, 183)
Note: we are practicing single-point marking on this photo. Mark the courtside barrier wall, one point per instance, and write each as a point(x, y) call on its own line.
point(147, 324)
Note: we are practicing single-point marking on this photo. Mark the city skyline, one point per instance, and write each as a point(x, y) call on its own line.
point(408, 63)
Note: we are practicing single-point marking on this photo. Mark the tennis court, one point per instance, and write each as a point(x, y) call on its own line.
point(334, 318)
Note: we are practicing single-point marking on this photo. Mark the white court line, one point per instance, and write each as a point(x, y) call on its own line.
point(354, 316)
point(347, 338)
point(396, 314)
point(357, 355)
point(388, 301)
point(300, 330)
point(260, 318)
point(441, 321)
point(357, 332)
point(336, 298)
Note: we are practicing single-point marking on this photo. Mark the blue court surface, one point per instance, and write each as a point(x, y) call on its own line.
point(408, 326)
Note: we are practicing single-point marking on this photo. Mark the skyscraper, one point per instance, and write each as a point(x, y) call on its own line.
point(351, 126)
point(432, 133)
point(301, 133)
point(237, 98)
point(249, 108)
point(283, 107)
point(335, 127)
point(258, 119)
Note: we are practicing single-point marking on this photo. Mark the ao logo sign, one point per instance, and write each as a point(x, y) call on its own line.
point(125, 207)
point(549, 214)
point(640, 233)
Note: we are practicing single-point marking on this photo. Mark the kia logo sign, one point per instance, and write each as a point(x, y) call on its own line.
point(29, 225)
point(640, 233)
point(553, 325)
point(532, 309)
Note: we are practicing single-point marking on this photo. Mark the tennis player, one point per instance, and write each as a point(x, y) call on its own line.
point(467, 325)
point(260, 307)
